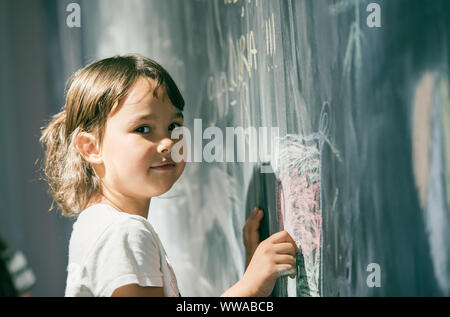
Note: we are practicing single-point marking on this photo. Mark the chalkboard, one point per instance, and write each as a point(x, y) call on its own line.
point(359, 91)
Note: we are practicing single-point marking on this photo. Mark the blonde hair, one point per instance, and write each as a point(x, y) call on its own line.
point(91, 94)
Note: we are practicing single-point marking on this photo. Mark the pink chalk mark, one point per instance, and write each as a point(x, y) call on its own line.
point(299, 211)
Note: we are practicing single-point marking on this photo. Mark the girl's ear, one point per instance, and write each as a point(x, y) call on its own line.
point(86, 144)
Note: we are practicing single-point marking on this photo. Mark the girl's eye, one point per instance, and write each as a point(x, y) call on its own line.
point(144, 129)
point(174, 126)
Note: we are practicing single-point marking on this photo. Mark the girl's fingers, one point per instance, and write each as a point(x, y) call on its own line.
point(250, 220)
point(254, 219)
point(281, 237)
point(285, 259)
point(285, 248)
point(256, 214)
point(250, 230)
point(286, 270)
point(257, 220)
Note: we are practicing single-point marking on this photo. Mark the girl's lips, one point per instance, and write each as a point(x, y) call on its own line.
point(165, 167)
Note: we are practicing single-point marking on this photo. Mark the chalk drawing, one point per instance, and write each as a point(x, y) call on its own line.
point(235, 2)
point(353, 53)
point(437, 219)
point(445, 117)
point(336, 196)
point(421, 132)
point(430, 148)
point(299, 200)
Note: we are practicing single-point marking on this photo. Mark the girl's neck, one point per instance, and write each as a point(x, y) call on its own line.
point(128, 206)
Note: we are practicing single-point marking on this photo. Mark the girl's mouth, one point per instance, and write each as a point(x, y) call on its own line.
point(167, 166)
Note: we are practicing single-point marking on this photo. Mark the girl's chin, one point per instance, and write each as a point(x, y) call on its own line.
point(161, 189)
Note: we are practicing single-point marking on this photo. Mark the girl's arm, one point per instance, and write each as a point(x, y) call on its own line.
point(134, 290)
point(264, 261)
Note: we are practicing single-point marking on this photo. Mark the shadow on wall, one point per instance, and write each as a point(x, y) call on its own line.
point(26, 101)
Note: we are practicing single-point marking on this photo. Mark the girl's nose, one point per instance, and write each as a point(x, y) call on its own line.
point(165, 146)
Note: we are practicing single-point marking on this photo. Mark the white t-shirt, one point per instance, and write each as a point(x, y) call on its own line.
point(109, 249)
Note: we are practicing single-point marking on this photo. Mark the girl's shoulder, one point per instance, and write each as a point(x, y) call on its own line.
point(101, 225)
point(100, 217)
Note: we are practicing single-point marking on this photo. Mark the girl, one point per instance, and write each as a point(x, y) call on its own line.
point(107, 153)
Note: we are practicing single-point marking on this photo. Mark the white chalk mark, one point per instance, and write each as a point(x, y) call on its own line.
point(336, 194)
point(353, 54)
point(341, 6)
point(238, 61)
point(270, 36)
point(273, 35)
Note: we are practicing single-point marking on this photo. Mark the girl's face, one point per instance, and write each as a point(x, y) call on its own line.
point(137, 139)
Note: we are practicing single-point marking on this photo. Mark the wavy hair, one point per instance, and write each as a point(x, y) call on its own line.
point(91, 95)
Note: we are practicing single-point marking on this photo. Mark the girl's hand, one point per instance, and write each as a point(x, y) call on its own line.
point(273, 256)
point(251, 234)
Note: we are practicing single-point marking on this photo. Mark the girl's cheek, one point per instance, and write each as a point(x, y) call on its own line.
point(182, 165)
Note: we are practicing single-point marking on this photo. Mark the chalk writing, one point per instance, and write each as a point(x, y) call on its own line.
point(242, 57)
point(225, 97)
point(244, 102)
point(217, 90)
point(271, 44)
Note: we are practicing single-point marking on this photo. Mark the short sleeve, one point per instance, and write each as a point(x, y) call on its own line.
point(126, 253)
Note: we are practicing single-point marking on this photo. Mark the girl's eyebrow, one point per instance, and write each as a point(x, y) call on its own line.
point(153, 117)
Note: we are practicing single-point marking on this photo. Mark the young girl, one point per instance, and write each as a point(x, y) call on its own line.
point(107, 153)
